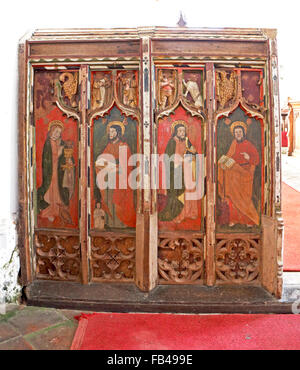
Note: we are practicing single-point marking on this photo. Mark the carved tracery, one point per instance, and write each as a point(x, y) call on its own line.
point(57, 256)
point(237, 260)
point(113, 258)
point(180, 260)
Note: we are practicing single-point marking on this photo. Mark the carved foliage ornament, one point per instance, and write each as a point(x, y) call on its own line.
point(57, 257)
point(237, 260)
point(180, 260)
point(238, 86)
point(67, 93)
point(226, 87)
point(113, 258)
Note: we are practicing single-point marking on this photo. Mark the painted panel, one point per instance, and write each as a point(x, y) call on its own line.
point(56, 153)
point(180, 134)
point(240, 172)
point(114, 141)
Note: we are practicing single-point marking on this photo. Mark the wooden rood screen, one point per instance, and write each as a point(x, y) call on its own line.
point(149, 157)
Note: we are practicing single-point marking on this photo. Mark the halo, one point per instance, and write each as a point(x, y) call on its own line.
point(238, 123)
point(180, 122)
point(117, 123)
point(56, 123)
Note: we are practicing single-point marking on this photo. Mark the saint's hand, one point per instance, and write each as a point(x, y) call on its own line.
point(246, 156)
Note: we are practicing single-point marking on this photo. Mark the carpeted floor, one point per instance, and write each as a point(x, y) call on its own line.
point(128, 331)
point(291, 217)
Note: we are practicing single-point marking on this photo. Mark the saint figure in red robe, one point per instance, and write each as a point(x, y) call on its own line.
point(235, 177)
point(117, 201)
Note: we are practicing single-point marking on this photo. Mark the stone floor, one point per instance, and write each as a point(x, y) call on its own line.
point(291, 170)
point(36, 328)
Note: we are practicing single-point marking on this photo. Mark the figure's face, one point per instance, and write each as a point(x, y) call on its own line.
point(55, 133)
point(181, 132)
point(238, 133)
point(112, 133)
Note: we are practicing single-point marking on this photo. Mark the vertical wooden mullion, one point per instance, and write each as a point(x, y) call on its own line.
point(146, 226)
point(83, 180)
point(276, 149)
point(23, 225)
point(210, 178)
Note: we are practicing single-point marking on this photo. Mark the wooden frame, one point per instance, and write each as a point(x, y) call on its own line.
point(233, 50)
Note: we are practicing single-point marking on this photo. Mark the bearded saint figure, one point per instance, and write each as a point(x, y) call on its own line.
point(235, 177)
point(117, 203)
point(179, 206)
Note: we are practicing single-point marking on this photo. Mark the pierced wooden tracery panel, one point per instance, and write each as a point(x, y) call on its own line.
point(237, 259)
point(113, 258)
point(57, 256)
point(180, 260)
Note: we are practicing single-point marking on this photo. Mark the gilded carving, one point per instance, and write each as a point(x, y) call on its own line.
point(57, 257)
point(237, 260)
point(113, 258)
point(226, 87)
point(70, 87)
point(180, 260)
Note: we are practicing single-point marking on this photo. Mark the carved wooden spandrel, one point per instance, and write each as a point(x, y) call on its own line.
point(101, 90)
point(127, 88)
point(252, 89)
point(44, 97)
point(116, 88)
point(113, 258)
point(180, 87)
point(167, 88)
point(226, 88)
point(180, 260)
point(67, 92)
point(192, 82)
point(240, 86)
point(57, 256)
point(237, 259)
point(70, 88)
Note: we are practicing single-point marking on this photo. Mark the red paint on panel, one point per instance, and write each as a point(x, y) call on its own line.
point(70, 133)
point(195, 137)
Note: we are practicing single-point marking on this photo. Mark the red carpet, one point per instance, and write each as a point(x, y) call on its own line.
point(291, 217)
point(122, 331)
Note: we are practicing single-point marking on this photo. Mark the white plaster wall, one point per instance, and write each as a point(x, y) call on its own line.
point(17, 17)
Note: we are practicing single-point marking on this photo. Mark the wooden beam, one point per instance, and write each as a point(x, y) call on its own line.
point(83, 176)
point(23, 227)
point(146, 227)
point(210, 180)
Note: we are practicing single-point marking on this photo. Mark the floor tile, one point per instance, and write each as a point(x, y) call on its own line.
point(59, 337)
point(7, 331)
point(32, 319)
point(18, 343)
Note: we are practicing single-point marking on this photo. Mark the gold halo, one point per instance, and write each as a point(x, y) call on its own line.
point(180, 122)
point(238, 123)
point(117, 123)
point(56, 123)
